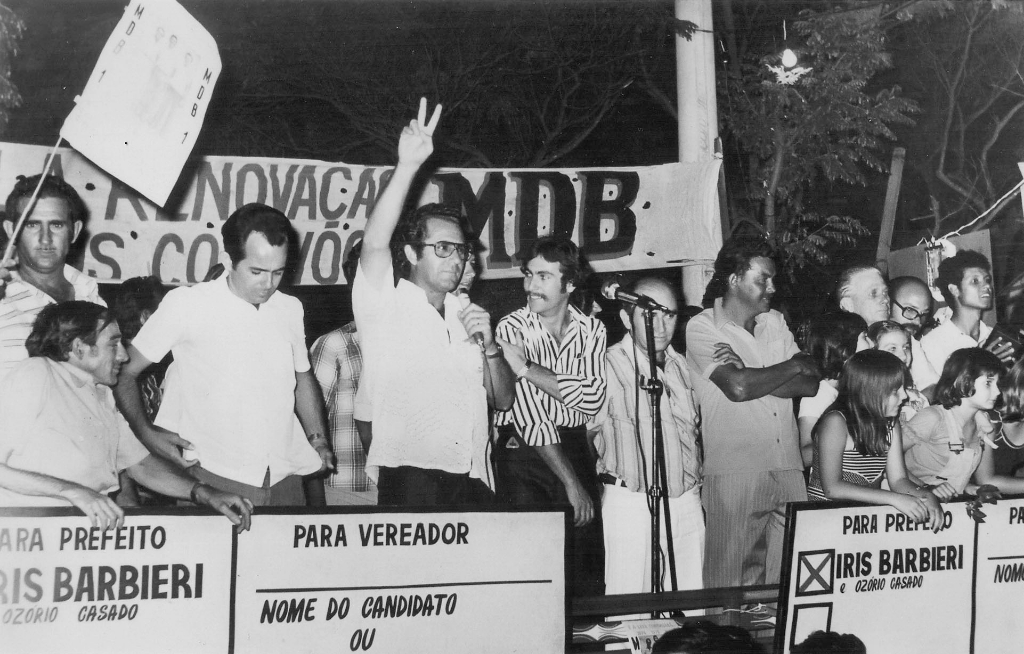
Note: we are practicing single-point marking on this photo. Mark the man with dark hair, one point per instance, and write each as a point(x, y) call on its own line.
point(241, 374)
point(746, 368)
point(965, 281)
point(543, 455)
point(911, 306)
point(337, 364)
point(42, 276)
point(62, 440)
point(426, 382)
point(623, 437)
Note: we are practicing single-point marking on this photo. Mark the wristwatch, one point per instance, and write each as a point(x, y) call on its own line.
point(525, 369)
point(497, 353)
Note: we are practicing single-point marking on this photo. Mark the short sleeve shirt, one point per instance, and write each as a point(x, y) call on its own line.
point(423, 377)
point(231, 389)
point(20, 305)
point(57, 421)
point(754, 436)
point(946, 339)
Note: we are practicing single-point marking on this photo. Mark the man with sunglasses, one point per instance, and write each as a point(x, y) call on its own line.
point(431, 367)
point(911, 306)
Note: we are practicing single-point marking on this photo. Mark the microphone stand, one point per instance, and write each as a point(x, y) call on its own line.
point(658, 490)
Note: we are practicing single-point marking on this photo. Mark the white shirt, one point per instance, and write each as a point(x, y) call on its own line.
point(920, 368)
point(20, 305)
point(58, 421)
point(232, 392)
point(424, 379)
point(946, 339)
point(813, 407)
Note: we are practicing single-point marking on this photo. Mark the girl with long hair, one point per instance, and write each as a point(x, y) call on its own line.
point(858, 441)
point(946, 443)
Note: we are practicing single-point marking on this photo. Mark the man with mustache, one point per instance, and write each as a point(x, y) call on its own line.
point(543, 455)
point(41, 276)
point(746, 368)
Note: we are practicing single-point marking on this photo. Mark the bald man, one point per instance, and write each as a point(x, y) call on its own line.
point(911, 306)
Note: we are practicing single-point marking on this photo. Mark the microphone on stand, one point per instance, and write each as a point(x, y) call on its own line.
point(463, 294)
point(612, 291)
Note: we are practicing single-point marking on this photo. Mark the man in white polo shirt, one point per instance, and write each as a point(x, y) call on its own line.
point(426, 382)
point(242, 374)
point(41, 276)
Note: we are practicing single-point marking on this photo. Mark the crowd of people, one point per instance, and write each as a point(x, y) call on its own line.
point(207, 395)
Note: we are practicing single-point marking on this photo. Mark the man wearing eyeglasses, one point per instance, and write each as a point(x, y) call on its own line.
point(431, 367)
point(912, 308)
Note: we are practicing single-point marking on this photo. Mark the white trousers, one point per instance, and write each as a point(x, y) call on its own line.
point(627, 541)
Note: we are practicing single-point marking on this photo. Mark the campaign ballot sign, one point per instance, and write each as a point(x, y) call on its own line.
point(401, 582)
point(66, 586)
point(143, 106)
point(899, 587)
point(999, 593)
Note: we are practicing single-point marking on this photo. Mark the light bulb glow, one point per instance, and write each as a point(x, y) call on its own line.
point(788, 58)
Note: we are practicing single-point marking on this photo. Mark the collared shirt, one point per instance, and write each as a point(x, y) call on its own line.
point(58, 421)
point(231, 389)
point(20, 305)
point(921, 370)
point(753, 436)
point(337, 364)
point(578, 364)
point(946, 339)
point(423, 379)
point(616, 439)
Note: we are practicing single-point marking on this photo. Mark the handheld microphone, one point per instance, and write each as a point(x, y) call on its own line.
point(463, 296)
point(611, 290)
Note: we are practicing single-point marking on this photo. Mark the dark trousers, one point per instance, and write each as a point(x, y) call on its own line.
point(409, 486)
point(521, 478)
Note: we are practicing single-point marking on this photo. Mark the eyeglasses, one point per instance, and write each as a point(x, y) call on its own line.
point(910, 313)
point(444, 249)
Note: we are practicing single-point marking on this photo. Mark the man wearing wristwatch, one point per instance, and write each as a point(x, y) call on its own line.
point(431, 366)
point(242, 410)
point(62, 442)
point(543, 455)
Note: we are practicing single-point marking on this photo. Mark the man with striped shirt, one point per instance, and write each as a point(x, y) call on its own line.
point(543, 455)
point(42, 276)
point(623, 436)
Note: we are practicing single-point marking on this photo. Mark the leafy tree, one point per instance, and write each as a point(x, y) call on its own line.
point(817, 124)
point(11, 29)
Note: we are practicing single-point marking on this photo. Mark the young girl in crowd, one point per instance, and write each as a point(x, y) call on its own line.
point(858, 441)
point(1009, 457)
point(830, 339)
point(946, 443)
point(890, 336)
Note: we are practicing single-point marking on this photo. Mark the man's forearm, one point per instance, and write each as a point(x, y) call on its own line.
point(745, 384)
point(802, 385)
point(158, 474)
point(544, 379)
point(555, 457)
point(503, 383)
point(128, 398)
point(309, 404)
point(34, 484)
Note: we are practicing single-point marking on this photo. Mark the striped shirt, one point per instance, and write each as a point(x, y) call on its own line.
point(858, 469)
point(620, 455)
point(19, 307)
point(578, 364)
point(337, 364)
